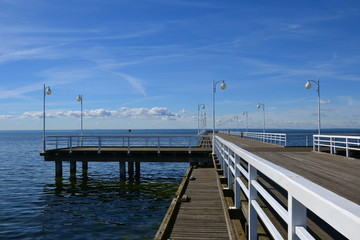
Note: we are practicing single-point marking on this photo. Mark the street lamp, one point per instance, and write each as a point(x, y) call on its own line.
point(80, 99)
point(47, 91)
point(222, 86)
point(308, 86)
point(202, 106)
point(203, 120)
point(247, 122)
point(237, 122)
point(263, 107)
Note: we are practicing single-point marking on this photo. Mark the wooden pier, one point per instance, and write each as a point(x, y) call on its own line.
point(206, 207)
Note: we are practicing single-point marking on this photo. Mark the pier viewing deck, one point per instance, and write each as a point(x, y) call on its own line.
point(247, 189)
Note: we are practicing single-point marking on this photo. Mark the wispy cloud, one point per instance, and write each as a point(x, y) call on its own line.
point(136, 83)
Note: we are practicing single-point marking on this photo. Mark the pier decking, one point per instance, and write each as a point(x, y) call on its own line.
point(201, 215)
point(336, 173)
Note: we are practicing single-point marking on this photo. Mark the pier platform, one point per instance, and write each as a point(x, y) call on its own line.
point(336, 173)
point(293, 190)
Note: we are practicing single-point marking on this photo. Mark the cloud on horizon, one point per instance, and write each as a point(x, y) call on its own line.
point(134, 113)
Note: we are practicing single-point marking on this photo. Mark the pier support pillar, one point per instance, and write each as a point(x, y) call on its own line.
point(85, 167)
point(131, 170)
point(137, 170)
point(58, 169)
point(72, 170)
point(122, 171)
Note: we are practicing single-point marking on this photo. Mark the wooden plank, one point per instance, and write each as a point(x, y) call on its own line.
point(203, 216)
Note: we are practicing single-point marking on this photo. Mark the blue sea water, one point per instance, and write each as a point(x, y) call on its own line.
point(34, 206)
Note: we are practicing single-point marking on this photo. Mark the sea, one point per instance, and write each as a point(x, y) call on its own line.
point(35, 206)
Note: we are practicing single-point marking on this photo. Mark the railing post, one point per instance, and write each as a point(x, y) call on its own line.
point(189, 144)
point(229, 172)
point(128, 144)
point(252, 197)
point(314, 143)
point(297, 217)
point(70, 144)
point(99, 144)
point(158, 147)
point(331, 145)
point(347, 148)
point(237, 192)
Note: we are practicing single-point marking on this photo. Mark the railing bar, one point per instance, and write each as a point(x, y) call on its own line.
point(243, 171)
point(270, 226)
point(273, 203)
point(303, 234)
point(243, 187)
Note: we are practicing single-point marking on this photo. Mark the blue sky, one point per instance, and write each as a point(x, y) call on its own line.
point(149, 63)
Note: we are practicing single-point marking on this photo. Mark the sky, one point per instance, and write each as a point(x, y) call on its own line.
point(150, 64)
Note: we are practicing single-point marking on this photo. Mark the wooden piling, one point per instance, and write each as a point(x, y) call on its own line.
point(137, 170)
point(85, 167)
point(131, 170)
point(58, 169)
point(122, 171)
point(73, 170)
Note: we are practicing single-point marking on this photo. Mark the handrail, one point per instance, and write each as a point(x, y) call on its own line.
point(274, 138)
point(335, 142)
point(340, 213)
point(127, 141)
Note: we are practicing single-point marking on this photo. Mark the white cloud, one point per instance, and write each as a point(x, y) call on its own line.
point(135, 113)
point(5, 116)
point(146, 112)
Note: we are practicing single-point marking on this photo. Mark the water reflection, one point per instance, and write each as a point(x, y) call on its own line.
point(118, 209)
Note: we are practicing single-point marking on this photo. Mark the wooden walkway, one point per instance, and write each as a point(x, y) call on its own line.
point(203, 215)
point(338, 174)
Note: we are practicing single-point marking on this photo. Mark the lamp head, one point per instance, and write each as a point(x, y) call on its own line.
point(79, 98)
point(223, 85)
point(48, 91)
point(203, 106)
point(258, 106)
point(308, 85)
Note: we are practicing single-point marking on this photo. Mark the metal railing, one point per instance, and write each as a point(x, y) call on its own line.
point(126, 141)
point(274, 138)
point(238, 164)
point(333, 142)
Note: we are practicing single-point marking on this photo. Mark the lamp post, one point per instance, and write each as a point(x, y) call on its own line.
point(308, 86)
point(247, 122)
point(237, 122)
point(222, 86)
point(202, 106)
point(263, 107)
point(47, 91)
point(203, 120)
point(80, 99)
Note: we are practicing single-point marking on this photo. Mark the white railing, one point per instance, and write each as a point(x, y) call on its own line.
point(274, 138)
point(340, 213)
point(349, 143)
point(126, 141)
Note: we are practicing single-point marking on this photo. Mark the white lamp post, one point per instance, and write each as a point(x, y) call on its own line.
point(263, 107)
point(202, 106)
point(308, 86)
point(80, 99)
point(222, 86)
point(247, 123)
point(47, 91)
point(203, 121)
